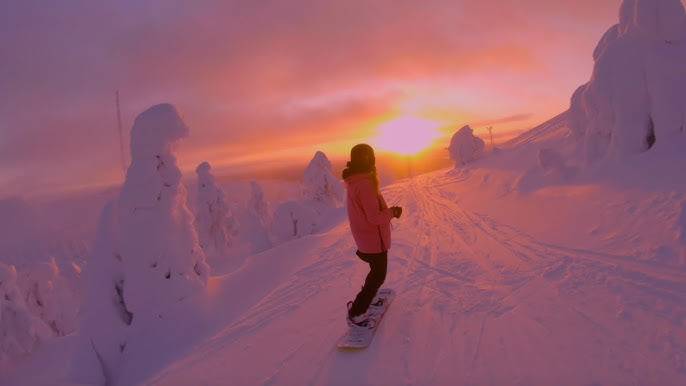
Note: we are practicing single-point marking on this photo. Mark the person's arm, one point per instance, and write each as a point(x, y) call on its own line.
point(370, 204)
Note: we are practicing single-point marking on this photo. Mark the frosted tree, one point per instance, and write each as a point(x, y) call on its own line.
point(319, 184)
point(147, 256)
point(465, 147)
point(293, 220)
point(635, 98)
point(20, 331)
point(258, 204)
point(214, 221)
point(49, 296)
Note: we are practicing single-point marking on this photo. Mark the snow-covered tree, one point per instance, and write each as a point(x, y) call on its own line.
point(48, 295)
point(635, 98)
point(255, 219)
point(214, 220)
point(147, 256)
point(465, 147)
point(258, 203)
point(20, 331)
point(293, 220)
point(320, 186)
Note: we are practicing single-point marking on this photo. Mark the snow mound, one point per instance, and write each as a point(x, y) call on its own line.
point(20, 331)
point(552, 168)
point(320, 187)
point(214, 220)
point(635, 98)
point(293, 220)
point(553, 164)
point(465, 147)
point(147, 256)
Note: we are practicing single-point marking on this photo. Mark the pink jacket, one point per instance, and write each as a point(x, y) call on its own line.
point(370, 217)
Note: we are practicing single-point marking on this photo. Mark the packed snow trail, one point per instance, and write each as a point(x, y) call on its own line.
point(479, 303)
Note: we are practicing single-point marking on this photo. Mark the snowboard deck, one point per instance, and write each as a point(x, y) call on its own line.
point(358, 338)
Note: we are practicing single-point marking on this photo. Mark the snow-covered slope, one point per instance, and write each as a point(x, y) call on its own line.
point(557, 259)
point(479, 302)
point(567, 282)
point(507, 274)
point(555, 129)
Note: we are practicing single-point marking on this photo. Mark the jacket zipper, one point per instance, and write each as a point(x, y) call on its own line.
point(383, 246)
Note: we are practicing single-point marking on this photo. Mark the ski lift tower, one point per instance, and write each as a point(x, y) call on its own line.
point(121, 136)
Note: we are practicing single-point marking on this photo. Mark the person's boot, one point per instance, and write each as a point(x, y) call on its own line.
point(359, 320)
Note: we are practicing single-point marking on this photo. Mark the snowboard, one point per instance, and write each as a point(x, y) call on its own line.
point(357, 338)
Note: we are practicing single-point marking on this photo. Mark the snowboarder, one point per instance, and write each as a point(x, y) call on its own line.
point(370, 223)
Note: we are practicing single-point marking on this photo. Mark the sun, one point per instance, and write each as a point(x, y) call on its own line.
point(406, 135)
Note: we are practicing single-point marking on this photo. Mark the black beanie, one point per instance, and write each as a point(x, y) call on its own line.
point(362, 160)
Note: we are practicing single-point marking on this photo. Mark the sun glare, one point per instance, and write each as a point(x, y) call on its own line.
point(406, 135)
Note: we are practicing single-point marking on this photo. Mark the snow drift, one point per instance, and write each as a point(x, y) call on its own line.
point(636, 98)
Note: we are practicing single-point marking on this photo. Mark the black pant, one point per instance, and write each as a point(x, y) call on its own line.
point(377, 263)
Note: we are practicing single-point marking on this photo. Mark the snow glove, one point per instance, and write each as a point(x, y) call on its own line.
point(397, 211)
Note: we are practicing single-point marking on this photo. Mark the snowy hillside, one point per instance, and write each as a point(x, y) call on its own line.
point(557, 258)
point(500, 281)
point(479, 301)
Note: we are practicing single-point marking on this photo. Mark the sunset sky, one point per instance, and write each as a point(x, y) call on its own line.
point(269, 82)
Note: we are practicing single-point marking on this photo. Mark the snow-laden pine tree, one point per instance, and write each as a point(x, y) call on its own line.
point(636, 98)
point(20, 331)
point(214, 220)
point(49, 296)
point(320, 187)
point(254, 219)
point(465, 147)
point(292, 220)
point(258, 203)
point(146, 256)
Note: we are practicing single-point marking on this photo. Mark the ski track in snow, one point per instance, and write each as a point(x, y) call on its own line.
point(478, 303)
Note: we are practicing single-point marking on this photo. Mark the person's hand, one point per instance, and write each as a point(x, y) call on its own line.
point(397, 211)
